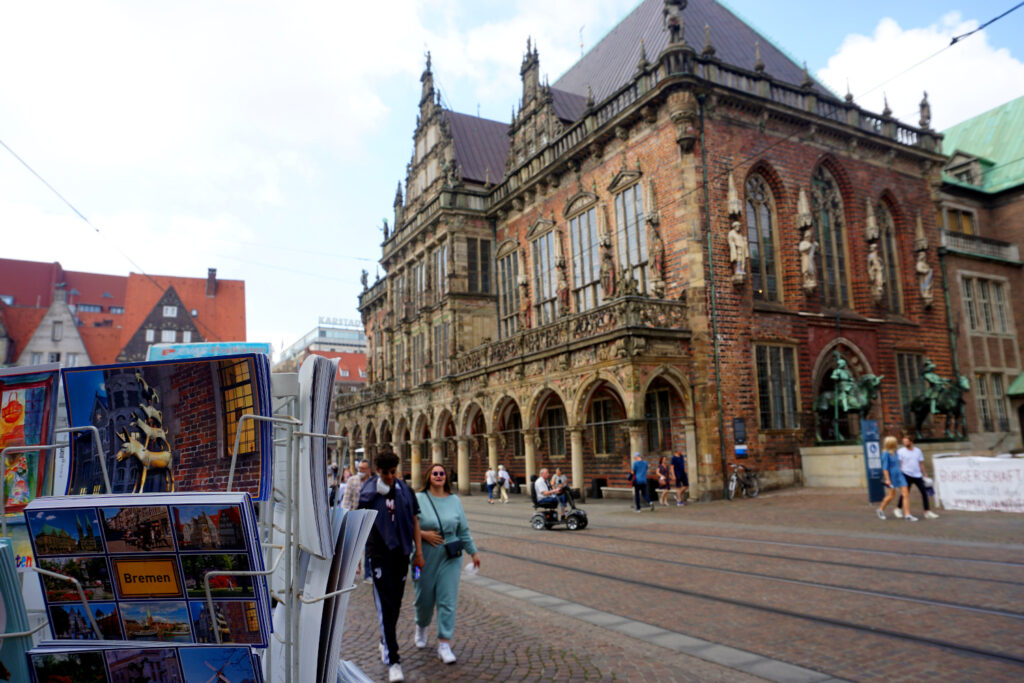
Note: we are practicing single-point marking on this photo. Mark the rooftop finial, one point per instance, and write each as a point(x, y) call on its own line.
point(849, 95)
point(590, 98)
point(428, 60)
point(527, 45)
point(886, 111)
point(642, 64)
point(709, 49)
point(758, 62)
point(807, 82)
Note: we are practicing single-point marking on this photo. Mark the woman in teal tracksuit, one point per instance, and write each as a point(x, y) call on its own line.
point(442, 521)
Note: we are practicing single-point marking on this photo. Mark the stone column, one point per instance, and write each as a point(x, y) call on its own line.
point(436, 451)
point(492, 451)
point(530, 456)
point(637, 438)
point(463, 465)
point(415, 460)
point(576, 446)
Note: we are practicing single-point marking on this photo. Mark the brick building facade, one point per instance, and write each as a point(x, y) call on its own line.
point(565, 290)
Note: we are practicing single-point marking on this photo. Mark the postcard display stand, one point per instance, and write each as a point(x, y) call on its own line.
point(305, 546)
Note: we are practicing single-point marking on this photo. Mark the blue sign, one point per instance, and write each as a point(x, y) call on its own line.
point(204, 349)
point(872, 459)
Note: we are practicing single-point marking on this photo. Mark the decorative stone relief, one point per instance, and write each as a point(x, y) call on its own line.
point(876, 273)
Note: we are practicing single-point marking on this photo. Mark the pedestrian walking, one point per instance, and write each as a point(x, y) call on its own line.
point(445, 533)
point(639, 472)
point(394, 537)
point(912, 466)
point(504, 483)
point(682, 481)
point(490, 480)
point(892, 477)
point(664, 479)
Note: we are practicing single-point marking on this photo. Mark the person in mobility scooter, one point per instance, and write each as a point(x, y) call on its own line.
point(546, 500)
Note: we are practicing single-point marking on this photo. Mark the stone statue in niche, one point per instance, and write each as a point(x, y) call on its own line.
point(627, 283)
point(562, 290)
point(924, 278)
point(739, 252)
point(607, 269)
point(876, 273)
point(525, 305)
point(808, 247)
point(656, 250)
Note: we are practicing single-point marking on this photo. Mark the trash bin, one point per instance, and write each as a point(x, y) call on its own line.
point(595, 487)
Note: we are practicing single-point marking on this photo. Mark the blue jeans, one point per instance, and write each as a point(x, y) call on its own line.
point(640, 489)
point(560, 498)
point(490, 491)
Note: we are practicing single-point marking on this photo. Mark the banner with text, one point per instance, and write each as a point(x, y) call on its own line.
point(980, 484)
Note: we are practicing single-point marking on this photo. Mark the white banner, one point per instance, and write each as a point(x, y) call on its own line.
point(979, 484)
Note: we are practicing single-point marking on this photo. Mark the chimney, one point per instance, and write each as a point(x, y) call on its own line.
point(211, 282)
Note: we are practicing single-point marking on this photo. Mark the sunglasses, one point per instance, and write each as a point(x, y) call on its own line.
point(437, 473)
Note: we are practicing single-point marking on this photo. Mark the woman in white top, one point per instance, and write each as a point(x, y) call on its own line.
point(490, 479)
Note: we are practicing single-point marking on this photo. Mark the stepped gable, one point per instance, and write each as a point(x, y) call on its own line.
point(480, 144)
point(612, 62)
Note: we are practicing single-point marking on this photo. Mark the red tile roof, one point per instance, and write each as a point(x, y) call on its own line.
point(21, 324)
point(31, 283)
point(101, 343)
point(218, 318)
point(354, 363)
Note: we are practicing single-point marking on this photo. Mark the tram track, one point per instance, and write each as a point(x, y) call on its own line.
point(787, 580)
point(948, 646)
point(792, 558)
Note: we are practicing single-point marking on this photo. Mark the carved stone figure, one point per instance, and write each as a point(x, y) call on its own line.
point(926, 112)
point(562, 290)
point(739, 252)
point(627, 284)
point(385, 229)
point(655, 250)
point(672, 19)
point(525, 305)
point(364, 278)
point(876, 273)
point(808, 248)
point(607, 270)
point(924, 278)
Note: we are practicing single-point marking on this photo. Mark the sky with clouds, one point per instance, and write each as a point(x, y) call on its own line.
point(266, 138)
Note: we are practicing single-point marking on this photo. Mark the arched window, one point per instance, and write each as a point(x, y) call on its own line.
point(761, 239)
point(830, 226)
point(891, 258)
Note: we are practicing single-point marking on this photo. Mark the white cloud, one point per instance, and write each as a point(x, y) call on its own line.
point(963, 81)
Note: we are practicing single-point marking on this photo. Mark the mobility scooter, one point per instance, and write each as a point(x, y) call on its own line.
point(546, 515)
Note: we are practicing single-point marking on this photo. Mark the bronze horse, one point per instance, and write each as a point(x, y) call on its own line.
point(859, 401)
point(949, 401)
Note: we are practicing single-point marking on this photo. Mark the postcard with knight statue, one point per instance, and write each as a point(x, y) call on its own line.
point(28, 412)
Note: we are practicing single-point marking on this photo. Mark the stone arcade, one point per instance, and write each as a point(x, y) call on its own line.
point(548, 297)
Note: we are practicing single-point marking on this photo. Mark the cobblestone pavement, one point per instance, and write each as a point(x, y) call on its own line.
point(800, 584)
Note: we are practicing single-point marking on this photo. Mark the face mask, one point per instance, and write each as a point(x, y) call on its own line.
point(361, 475)
point(382, 488)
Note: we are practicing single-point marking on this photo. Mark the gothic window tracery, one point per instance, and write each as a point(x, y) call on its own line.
point(830, 226)
point(586, 260)
point(508, 293)
point(890, 257)
point(760, 208)
point(544, 252)
point(630, 238)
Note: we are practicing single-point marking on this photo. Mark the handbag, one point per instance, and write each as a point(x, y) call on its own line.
point(453, 548)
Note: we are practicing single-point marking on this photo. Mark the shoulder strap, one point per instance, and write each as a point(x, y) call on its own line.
point(439, 522)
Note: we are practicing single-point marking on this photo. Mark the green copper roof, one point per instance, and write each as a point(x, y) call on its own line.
point(1017, 386)
point(996, 136)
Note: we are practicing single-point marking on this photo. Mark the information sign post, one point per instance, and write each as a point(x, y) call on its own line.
point(872, 459)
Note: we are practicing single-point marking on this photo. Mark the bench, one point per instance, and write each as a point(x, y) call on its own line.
point(617, 492)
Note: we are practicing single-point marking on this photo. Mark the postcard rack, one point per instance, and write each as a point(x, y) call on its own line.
point(288, 436)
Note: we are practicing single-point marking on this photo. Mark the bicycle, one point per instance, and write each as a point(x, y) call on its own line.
point(745, 478)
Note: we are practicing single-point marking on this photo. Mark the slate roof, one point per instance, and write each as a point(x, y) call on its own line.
point(996, 137)
point(612, 62)
point(568, 106)
point(480, 144)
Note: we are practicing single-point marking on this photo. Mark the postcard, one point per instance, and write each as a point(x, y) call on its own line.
point(91, 573)
point(208, 527)
point(28, 410)
point(151, 664)
point(65, 532)
point(150, 620)
point(195, 567)
point(217, 664)
point(137, 528)
point(70, 621)
point(17, 534)
point(236, 621)
point(170, 426)
point(79, 667)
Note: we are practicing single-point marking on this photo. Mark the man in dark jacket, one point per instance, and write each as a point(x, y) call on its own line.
point(394, 537)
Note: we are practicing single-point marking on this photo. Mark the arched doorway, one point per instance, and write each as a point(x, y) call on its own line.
point(834, 425)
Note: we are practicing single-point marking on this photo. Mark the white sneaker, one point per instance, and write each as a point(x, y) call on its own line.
point(444, 651)
point(881, 515)
point(898, 513)
point(421, 636)
point(395, 673)
point(383, 654)
point(928, 514)
point(911, 518)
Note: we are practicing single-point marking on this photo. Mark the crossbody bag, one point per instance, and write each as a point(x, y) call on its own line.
point(454, 548)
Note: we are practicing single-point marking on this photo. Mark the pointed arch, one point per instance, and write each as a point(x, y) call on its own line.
point(762, 195)
point(830, 226)
point(591, 384)
point(890, 231)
